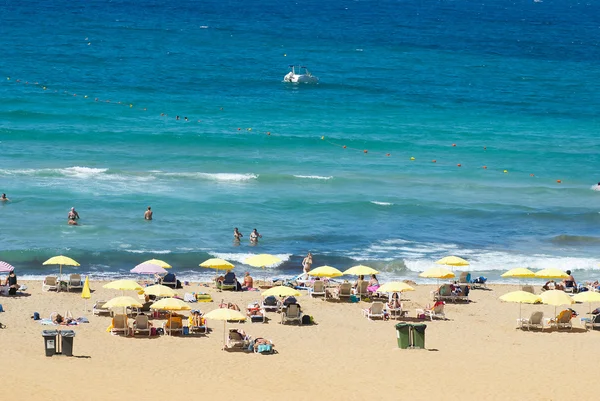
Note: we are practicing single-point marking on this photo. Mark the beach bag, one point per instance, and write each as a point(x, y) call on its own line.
point(306, 319)
point(354, 299)
point(12, 291)
point(153, 331)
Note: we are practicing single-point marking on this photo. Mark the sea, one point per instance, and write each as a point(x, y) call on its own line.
point(438, 127)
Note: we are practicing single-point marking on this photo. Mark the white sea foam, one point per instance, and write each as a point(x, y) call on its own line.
point(241, 257)
point(203, 26)
point(382, 203)
point(82, 172)
point(224, 177)
point(160, 252)
point(314, 177)
point(595, 187)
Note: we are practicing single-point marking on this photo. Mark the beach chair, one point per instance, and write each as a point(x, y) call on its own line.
point(375, 310)
point(318, 289)
point(169, 280)
point(141, 325)
point(291, 314)
point(562, 321)
point(396, 313)
point(229, 282)
point(345, 291)
point(99, 309)
point(120, 325)
point(271, 304)
point(264, 348)
point(479, 283)
point(444, 293)
point(195, 329)
point(528, 288)
point(463, 295)
point(465, 278)
point(361, 291)
point(256, 313)
point(594, 323)
point(133, 311)
point(535, 321)
point(435, 312)
point(50, 283)
point(238, 340)
point(74, 282)
point(173, 325)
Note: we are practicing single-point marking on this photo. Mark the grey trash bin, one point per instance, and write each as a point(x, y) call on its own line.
point(67, 342)
point(50, 341)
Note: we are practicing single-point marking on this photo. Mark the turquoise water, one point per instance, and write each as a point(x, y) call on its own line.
point(514, 85)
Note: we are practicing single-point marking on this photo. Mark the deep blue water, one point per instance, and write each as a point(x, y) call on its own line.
point(90, 92)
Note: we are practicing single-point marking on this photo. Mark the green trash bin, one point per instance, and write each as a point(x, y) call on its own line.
point(50, 342)
point(403, 334)
point(419, 335)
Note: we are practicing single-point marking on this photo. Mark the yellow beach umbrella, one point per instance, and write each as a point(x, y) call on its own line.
point(159, 262)
point(521, 297)
point(170, 304)
point(159, 290)
point(61, 261)
point(587, 297)
point(123, 285)
point(325, 271)
point(86, 293)
point(225, 314)
point(281, 291)
point(361, 270)
point(551, 273)
point(437, 272)
point(123, 302)
point(217, 264)
point(395, 286)
point(519, 272)
point(556, 298)
point(452, 261)
point(263, 260)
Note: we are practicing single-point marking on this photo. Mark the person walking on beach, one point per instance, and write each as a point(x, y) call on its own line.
point(307, 263)
point(237, 235)
point(4, 198)
point(148, 214)
point(254, 236)
point(72, 217)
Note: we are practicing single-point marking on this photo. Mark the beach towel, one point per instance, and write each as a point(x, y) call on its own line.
point(187, 297)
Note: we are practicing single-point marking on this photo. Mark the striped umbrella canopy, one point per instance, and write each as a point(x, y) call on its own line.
point(6, 267)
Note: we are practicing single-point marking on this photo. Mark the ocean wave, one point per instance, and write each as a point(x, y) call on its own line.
point(149, 251)
point(382, 203)
point(241, 257)
point(314, 177)
point(575, 240)
point(224, 177)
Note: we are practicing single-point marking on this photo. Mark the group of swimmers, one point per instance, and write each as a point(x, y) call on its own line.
point(254, 236)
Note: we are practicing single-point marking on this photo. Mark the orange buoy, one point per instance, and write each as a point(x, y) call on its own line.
point(558, 181)
point(459, 165)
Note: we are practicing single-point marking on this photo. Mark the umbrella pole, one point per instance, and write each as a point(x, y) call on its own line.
point(224, 334)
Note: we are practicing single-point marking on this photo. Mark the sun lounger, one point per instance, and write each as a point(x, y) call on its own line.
point(120, 325)
point(535, 321)
point(562, 321)
point(50, 283)
point(74, 282)
point(375, 310)
point(264, 348)
point(141, 325)
point(318, 289)
point(435, 312)
point(195, 329)
point(396, 313)
point(271, 304)
point(528, 288)
point(238, 340)
point(256, 313)
point(345, 291)
point(291, 313)
point(594, 323)
point(362, 291)
point(99, 309)
point(465, 278)
point(169, 280)
point(173, 325)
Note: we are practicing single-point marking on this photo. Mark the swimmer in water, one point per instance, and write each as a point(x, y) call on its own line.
point(4, 198)
point(72, 217)
point(237, 235)
point(148, 214)
point(254, 236)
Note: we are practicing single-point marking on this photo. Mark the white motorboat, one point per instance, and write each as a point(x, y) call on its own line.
point(302, 77)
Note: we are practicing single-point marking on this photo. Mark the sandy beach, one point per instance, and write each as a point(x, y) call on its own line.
point(476, 354)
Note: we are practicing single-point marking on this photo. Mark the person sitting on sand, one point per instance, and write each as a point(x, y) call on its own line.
point(4, 198)
point(248, 282)
point(72, 217)
point(148, 214)
point(11, 282)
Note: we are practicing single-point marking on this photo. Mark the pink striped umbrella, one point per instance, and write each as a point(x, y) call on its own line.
point(148, 268)
point(5, 267)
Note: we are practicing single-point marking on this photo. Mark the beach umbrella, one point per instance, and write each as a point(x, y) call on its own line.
point(325, 271)
point(85, 293)
point(521, 297)
point(123, 302)
point(361, 270)
point(225, 314)
point(281, 291)
point(551, 273)
point(170, 304)
point(217, 264)
point(123, 285)
point(5, 267)
point(263, 261)
point(159, 262)
point(437, 273)
point(148, 268)
point(519, 272)
point(395, 286)
point(159, 290)
point(587, 297)
point(61, 261)
point(556, 298)
point(452, 261)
